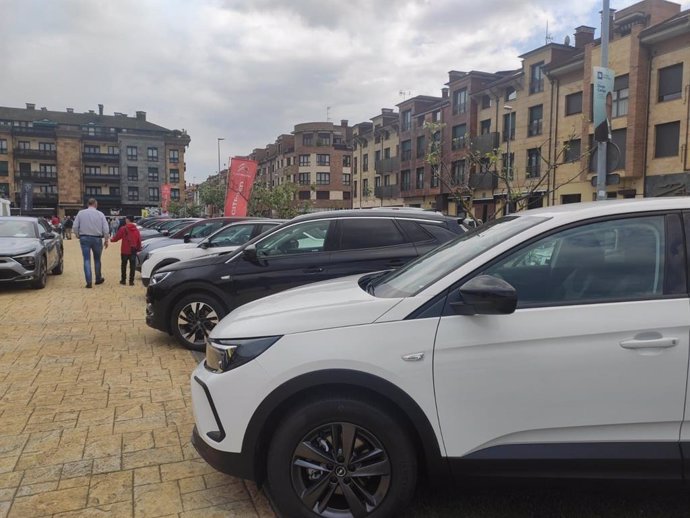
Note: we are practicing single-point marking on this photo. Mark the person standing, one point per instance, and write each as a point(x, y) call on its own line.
point(90, 226)
point(68, 227)
point(131, 244)
point(114, 226)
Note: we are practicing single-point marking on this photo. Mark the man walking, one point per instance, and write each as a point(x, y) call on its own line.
point(90, 226)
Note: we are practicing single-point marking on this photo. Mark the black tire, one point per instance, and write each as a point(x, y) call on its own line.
point(60, 266)
point(335, 485)
point(193, 317)
point(40, 282)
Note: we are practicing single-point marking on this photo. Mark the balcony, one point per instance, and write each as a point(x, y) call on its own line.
point(103, 136)
point(485, 143)
point(101, 158)
point(387, 191)
point(36, 176)
point(40, 154)
point(485, 180)
point(34, 131)
point(103, 198)
point(387, 165)
point(45, 197)
point(102, 178)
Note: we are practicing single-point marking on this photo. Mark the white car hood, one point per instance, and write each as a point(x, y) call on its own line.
point(181, 246)
point(323, 305)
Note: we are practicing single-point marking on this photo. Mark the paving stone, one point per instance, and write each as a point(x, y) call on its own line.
point(49, 502)
point(154, 500)
point(109, 488)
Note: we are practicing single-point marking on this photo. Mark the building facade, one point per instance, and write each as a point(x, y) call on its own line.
point(67, 158)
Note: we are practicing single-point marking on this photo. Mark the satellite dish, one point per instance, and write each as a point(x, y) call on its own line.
point(567, 41)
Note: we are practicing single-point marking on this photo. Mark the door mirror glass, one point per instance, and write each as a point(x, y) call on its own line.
point(485, 295)
point(187, 238)
point(204, 245)
point(249, 253)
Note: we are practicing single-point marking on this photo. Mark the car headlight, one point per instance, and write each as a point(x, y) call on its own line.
point(27, 261)
point(159, 277)
point(223, 355)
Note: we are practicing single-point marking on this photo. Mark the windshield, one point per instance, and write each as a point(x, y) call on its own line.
point(17, 229)
point(438, 263)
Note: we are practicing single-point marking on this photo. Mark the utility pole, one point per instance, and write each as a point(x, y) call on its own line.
point(220, 178)
point(601, 146)
point(509, 109)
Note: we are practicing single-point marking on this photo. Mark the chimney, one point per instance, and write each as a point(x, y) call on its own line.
point(30, 106)
point(444, 93)
point(141, 116)
point(343, 123)
point(100, 109)
point(70, 110)
point(583, 36)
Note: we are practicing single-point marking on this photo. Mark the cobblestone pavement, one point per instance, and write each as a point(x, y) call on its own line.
point(95, 410)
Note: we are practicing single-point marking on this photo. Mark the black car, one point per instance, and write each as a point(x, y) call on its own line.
point(187, 299)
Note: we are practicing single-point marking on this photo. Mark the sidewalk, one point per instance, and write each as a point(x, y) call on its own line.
point(95, 411)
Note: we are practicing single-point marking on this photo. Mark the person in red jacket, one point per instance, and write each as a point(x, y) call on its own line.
point(131, 244)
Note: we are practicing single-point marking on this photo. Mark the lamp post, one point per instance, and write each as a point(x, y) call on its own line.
point(509, 109)
point(219, 175)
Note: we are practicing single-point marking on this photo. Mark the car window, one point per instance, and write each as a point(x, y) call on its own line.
point(206, 229)
point(306, 237)
point(414, 231)
point(357, 233)
point(620, 259)
point(267, 226)
point(16, 228)
point(232, 236)
point(441, 234)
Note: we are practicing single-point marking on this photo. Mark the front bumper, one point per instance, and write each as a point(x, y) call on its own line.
point(11, 271)
point(157, 313)
point(236, 464)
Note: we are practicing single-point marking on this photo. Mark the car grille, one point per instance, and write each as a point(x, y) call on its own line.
point(6, 275)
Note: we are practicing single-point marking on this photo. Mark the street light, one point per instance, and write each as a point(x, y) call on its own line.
point(219, 175)
point(509, 109)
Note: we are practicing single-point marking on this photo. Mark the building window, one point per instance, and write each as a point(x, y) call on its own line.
point(25, 167)
point(386, 180)
point(434, 181)
point(458, 136)
point(24, 144)
point(406, 120)
point(460, 101)
point(536, 78)
point(153, 193)
point(174, 176)
point(406, 150)
point(132, 174)
point(152, 154)
point(365, 188)
point(533, 163)
point(667, 139)
point(419, 177)
point(347, 160)
point(536, 114)
point(405, 180)
point(485, 127)
point(43, 168)
point(323, 159)
point(511, 94)
point(92, 149)
point(347, 178)
point(48, 189)
point(573, 103)
point(174, 156)
point(308, 139)
point(347, 195)
point(113, 170)
point(365, 162)
point(174, 194)
point(114, 191)
point(570, 198)
point(436, 116)
point(323, 178)
point(133, 193)
point(508, 164)
point(573, 150)
point(323, 195)
point(3, 146)
point(509, 126)
point(670, 82)
point(486, 102)
point(303, 195)
point(92, 191)
point(421, 146)
point(324, 139)
point(132, 154)
point(354, 188)
point(48, 146)
point(304, 178)
point(4, 168)
point(620, 96)
point(458, 172)
point(5, 190)
point(113, 150)
point(92, 170)
point(303, 160)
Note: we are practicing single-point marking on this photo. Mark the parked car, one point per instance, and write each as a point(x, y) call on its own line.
point(475, 359)
point(225, 240)
point(192, 233)
point(187, 299)
point(29, 249)
point(163, 228)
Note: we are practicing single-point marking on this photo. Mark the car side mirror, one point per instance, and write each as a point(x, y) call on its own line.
point(249, 253)
point(204, 245)
point(166, 232)
point(47, 235)
point(485, 295)
point(187, 238)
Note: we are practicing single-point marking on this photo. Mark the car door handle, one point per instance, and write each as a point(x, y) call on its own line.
point(313, 269)
point(652, 343)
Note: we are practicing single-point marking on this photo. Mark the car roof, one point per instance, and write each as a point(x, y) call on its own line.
point(592, 209)
point(20, 218)
point(378, 213)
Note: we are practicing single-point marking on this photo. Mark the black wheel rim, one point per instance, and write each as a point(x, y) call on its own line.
point(340, 470)
point(195, 321)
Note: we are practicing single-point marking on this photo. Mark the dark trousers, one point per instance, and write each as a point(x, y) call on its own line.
point(131, 259)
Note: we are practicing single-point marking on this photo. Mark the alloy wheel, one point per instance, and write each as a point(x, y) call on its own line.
point(340, 470)
point(195, 321)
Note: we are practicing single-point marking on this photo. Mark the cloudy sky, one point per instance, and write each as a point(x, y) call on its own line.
point(249, 70)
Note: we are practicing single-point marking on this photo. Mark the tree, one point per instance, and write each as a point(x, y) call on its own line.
point(212, 192)
point(184, 209)
point(279, 201)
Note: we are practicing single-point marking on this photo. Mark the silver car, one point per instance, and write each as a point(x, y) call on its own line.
point(29, 249)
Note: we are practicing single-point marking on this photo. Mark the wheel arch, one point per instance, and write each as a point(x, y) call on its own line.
point(187, 289)
point(350, 383)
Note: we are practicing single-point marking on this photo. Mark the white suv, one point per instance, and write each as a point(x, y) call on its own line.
point(551, 342)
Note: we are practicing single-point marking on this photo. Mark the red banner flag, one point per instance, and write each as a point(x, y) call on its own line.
point(165, 196)
point(240, 182)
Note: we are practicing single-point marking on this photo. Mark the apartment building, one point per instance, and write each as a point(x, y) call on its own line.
point(68, 157)
point(317, 157)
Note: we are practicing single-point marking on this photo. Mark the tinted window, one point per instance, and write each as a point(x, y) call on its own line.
point(613, 260)
point(359, 233)
point(232, 236)
point(441, 234)
point(414, 231)
point(307, 237)
point(206, 230)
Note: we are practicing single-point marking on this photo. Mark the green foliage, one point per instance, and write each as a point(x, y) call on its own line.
point(184, 210)
point(279, 202)
point(212, 192)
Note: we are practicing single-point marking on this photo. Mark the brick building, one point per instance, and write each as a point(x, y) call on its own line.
point(69, 157)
